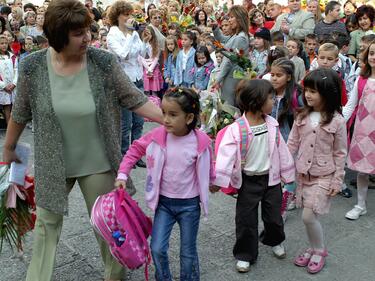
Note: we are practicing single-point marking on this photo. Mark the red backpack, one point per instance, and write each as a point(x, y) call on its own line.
point(244, 146)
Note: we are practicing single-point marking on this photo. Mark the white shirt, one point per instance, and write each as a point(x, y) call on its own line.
point(184, 59)
point(127, 49)
point(257, 157)
point(315, 118)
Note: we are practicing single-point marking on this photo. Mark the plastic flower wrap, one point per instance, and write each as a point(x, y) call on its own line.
point(214, 114)
point(186, 21)
point(240, 59)
point(17, 209)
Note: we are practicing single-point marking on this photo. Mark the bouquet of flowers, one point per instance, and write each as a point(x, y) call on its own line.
point(17, 209)
point(240, 59)
point(214, 114)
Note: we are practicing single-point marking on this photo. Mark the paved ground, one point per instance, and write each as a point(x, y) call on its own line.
point(351, 245)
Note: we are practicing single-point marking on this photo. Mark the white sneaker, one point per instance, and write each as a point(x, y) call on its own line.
point(243, 266)
point(355, 213)
point(279, 251)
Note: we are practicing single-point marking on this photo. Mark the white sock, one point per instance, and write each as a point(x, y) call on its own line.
point(313, 228)
point(362, 188)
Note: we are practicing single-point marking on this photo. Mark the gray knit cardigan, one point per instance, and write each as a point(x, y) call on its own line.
point(111, 89)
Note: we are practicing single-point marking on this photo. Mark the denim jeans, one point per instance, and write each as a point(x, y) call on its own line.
point(131, 125)
point(186, 212)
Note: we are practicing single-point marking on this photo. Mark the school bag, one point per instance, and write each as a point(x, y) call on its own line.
point(244, 146)
point(118, 219)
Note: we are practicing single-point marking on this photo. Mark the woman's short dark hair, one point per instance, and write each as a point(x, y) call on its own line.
point(29, 6)
point(251, 95)
point(366, 10)
point(118, 8)
point(62, 17)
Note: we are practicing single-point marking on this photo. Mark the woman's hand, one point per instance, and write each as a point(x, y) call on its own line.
point(120, 183)
point(9, 155)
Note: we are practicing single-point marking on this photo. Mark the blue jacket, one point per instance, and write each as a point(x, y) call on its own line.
point(169, 68)
point(202, 75)
point(185, 77)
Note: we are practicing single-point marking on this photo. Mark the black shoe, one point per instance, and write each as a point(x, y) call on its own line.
point(346, 193)
point(141, 164)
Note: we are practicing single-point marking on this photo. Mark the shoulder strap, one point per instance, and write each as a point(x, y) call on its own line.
point(277, 136)
point(244, 143)
point(361, 86)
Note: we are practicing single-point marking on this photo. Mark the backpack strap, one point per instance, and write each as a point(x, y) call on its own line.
point(244, 142)
point(361, 86)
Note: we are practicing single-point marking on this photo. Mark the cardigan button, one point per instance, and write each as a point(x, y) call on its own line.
point(309, 161)
point(311, 145)
point(314, 131)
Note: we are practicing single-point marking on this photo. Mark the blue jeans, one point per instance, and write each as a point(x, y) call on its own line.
point(186, 212)
point(131, 125)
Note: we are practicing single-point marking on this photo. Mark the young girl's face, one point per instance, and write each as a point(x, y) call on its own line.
point(279, 78)
point(351, 27)
point(186, 41)
point(258, 19)
point(29, 44)
point(170, 45)
point(312, 7)
point(201, 16)
point(172, 31)
point(349, 9)
point(103, 41)
point(371, 56)
point(292, 48)
point(225, 27)
point(9, 36)
point(201, 58)
point(364, 22)
point(175, 120)
point(268, 105)
point(219, 58)
point(259, 43)
point(314, 99)
point(3, 45)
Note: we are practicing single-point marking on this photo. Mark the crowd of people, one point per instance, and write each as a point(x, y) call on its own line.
point(307, 114)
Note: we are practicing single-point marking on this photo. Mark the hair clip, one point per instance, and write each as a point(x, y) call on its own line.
point(180, 91)
point(325, 77)
point(193, 106)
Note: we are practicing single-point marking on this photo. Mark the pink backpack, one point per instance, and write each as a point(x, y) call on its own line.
point(244, 146)
point(118, 219)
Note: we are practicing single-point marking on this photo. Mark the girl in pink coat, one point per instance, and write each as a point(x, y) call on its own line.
point(319, 143)
point(179, 172)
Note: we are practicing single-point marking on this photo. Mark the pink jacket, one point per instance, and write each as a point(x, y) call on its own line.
point(228, 160)
point(153, 145)
point(321, 150)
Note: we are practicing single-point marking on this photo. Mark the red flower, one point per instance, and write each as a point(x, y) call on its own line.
point(16, 47)
point(241, 52)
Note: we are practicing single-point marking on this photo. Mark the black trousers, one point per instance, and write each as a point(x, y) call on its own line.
point(255, 189)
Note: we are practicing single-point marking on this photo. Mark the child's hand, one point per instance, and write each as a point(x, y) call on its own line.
point(120, 183)
point(332, 192)
point(214, 188)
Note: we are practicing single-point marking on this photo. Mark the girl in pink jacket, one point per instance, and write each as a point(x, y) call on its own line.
point(267, 162)
point(318, 140)
point(179, 172)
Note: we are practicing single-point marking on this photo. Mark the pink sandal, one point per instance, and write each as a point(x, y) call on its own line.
point(304, 258)
point(315, 267)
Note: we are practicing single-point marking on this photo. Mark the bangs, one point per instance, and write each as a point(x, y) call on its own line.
point(313, 81)
point(76, 21)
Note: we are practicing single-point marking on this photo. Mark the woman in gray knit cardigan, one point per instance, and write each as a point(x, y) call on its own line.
point(74, 95)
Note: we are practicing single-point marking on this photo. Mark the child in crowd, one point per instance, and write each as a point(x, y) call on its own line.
point(28, 46)
point(170, 63)
point(103, 40)
point(311, 46)
point(152, 79)
point(351, 23)
point(267, 163)
point(225, 26)
point(343, 42)
point(215, 71)
point(295, 48)
point(8, 77)
point(275, 53)
point(328, 57)
point(179, 171)
point(185, 61)
point(258, 56)
point(209, 43)
point(202, 70)
point(361, 106)
point(288, 94)
point(277, 38)
point(318, 142)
